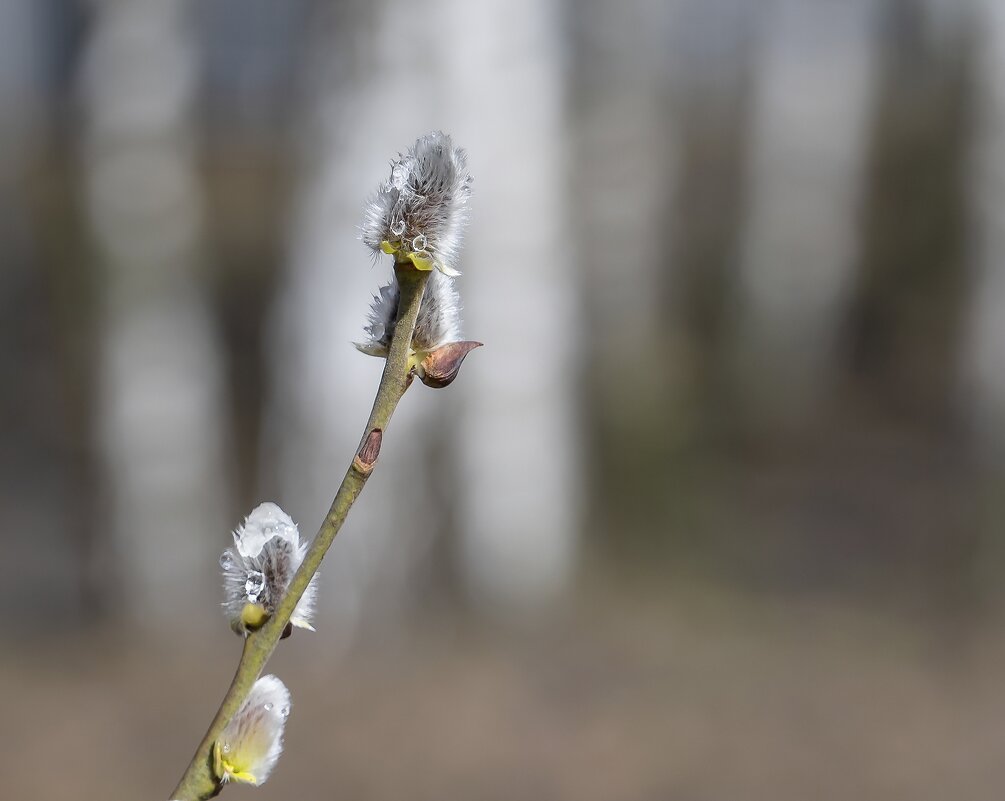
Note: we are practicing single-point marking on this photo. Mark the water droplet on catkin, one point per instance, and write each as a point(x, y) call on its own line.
point(399, 176)
point(254, 585)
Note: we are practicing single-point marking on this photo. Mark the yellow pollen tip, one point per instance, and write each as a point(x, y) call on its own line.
point(227, 771)
point(253, 616)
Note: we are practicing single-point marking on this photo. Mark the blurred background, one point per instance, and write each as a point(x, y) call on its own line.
point(717, 513)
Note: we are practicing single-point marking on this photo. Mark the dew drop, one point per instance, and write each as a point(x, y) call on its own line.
point(377, 331)
point(268, 707)
point(254, 585)
point(419, 243)
point(399, 176)
point(398, 227)
point(284, 711)
point(225, 561)
point(226, 748)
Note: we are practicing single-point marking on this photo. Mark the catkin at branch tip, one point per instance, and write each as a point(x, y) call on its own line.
point(420, 212)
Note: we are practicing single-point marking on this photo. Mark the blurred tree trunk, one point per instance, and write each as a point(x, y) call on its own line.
point(662, 104)
point(984, 357)
point(251, 53)
point(906, 320)
point(52, 530)
point(515, 289)
point(813, 82)
point(716, 46)
point(515, 429)
point(321, 388)
point(159, 397)
point(623, 166)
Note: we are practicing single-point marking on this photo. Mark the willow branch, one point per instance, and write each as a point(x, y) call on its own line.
point(199, 781)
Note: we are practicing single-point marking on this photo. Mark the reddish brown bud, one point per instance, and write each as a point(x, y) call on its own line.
point(441, 366)
point(368, 452)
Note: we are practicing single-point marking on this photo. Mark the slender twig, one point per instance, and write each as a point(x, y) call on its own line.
point(199, 781)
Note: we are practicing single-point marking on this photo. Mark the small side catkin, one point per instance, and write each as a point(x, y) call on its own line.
point(438, 323)
point(249, 747)
point(257, 570)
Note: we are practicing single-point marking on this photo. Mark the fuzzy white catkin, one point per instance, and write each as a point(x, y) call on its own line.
point(438, 323)
point(267, 552)
point(250, 746)
point(423, 206)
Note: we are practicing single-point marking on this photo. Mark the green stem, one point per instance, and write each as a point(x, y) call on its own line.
point(199, 783)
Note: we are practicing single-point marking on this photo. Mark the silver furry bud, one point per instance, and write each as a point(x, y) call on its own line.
point(419, 213)
point(257, 570)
